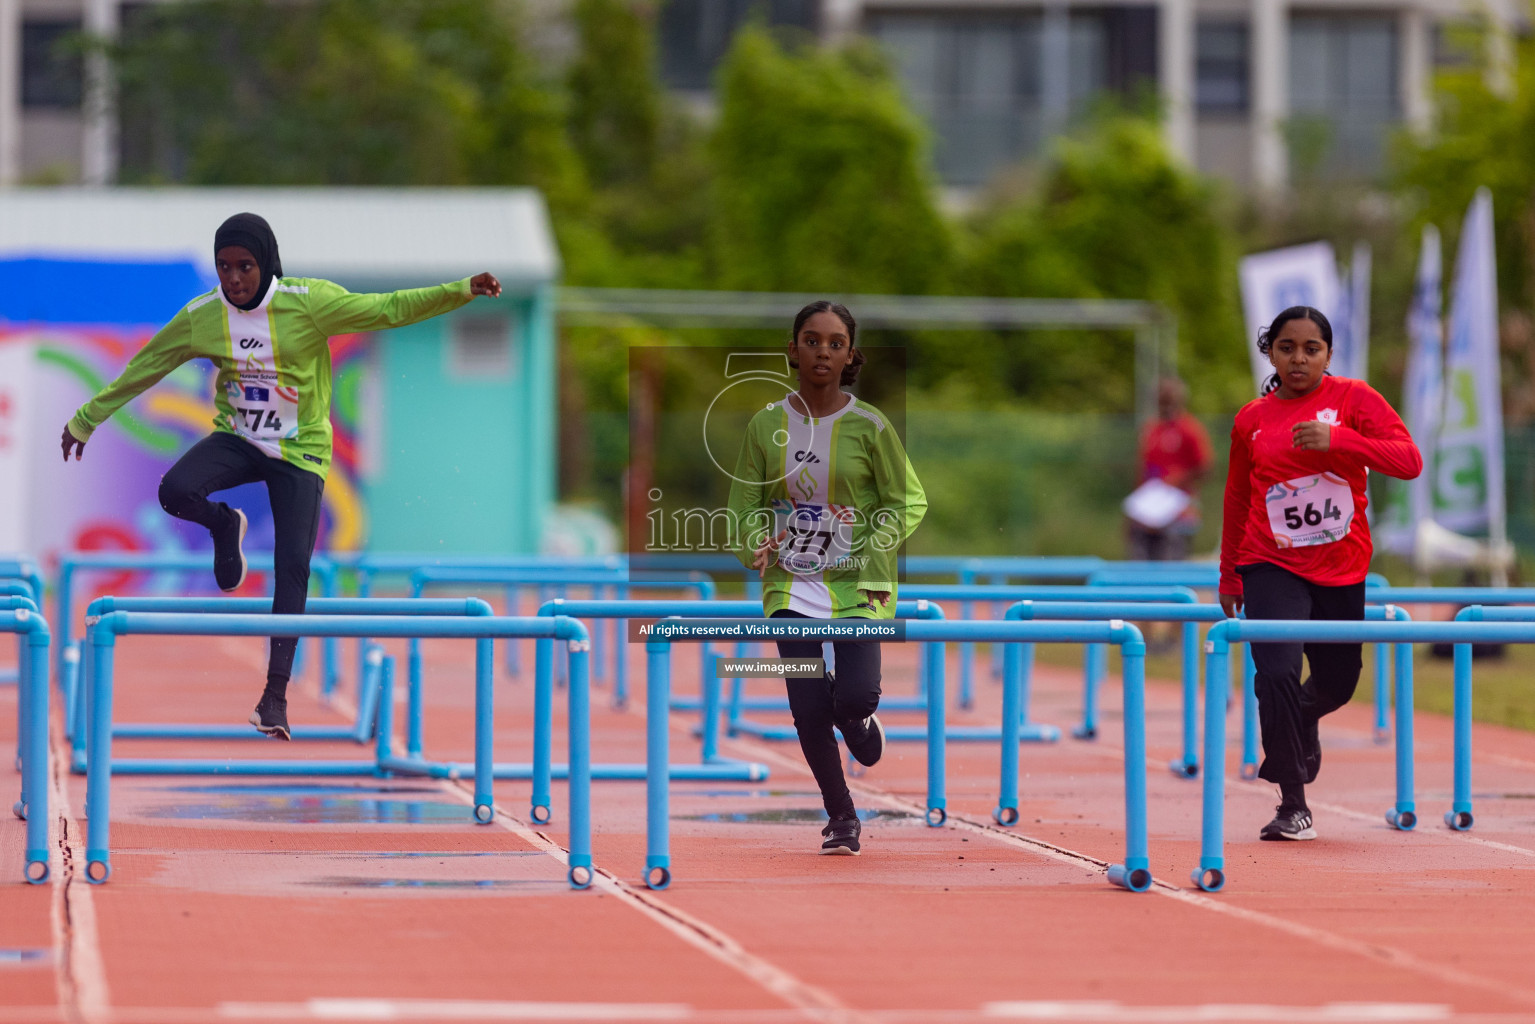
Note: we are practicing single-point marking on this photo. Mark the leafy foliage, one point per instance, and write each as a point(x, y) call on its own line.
point(1113, 216)
point(339, 92)
point(1485, 135)
point(821, 178)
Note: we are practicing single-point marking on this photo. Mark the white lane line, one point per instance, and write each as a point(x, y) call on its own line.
point(1115, 1013)
point(81, 973)
point(809, 1001)
point(1368, 950)
point(1238, 783)
point(813, 1002)
point(450, 1009)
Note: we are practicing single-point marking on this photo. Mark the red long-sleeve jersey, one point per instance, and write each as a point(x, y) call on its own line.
point(1304, 510)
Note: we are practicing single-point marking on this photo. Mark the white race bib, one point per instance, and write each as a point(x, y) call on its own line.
point(1310, 510)
point(817, 537)
point(263, 411)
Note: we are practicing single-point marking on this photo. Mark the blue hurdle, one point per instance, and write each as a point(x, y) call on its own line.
point(1210, 875)
point(1134, 874)
point(711, 766)
point(360, 732)
point(32, 696)
point(1459, 816)
point(74, 562)
point(904, 609)
point(482, 630)
point(24, 605)
point(22, 595)
point(19, 577)
point(1094, 665)
point(1428, 595)
point(425, 576)
point(1019, 663)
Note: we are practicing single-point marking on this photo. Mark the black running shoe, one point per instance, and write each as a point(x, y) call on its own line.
point(228, 558)
point(1288, 824)
point(271, 717)
point(842, 837)
point(871, 748)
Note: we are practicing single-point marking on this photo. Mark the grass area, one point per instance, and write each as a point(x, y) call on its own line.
point(1504, 688)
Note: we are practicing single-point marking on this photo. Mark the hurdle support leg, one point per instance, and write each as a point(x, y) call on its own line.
point(414, 712)
point(1211, 873)
point(1404, 815)
point(1249, 713)
point(1187, 766)
point(98, 783)
point(34, 681)
point(1012, 684)
point(484, 731)
point(579, 860)
point(1382, 694)
point(539, 811)
point(937, 738)
point(1135, 873)
point(658, 857)
point(1094, 664)
point(1459, 816)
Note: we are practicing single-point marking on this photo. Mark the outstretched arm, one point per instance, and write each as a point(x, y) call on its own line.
point(338, 311)
point(169, 348)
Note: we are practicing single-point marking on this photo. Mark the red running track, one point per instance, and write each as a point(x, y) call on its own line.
point(243, 899)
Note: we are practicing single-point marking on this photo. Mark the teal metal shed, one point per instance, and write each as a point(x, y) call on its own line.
point(445, 430)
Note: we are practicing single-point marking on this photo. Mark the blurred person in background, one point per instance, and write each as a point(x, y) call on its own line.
point(1176, 451)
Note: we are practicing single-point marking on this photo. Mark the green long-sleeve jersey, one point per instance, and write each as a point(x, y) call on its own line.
point(273, 361)
point(842, 491)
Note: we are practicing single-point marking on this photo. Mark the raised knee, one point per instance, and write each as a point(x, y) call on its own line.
point(171, 495)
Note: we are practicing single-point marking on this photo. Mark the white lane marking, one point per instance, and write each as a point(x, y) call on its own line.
point(1332, 1013)
point(81, 975)
point(813, 1002)
point(450, 1009)
point(1369, 950)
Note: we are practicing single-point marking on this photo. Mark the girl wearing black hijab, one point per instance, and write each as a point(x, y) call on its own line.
point(268, 337)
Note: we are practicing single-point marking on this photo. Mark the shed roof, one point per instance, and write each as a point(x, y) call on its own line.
point(363, 236)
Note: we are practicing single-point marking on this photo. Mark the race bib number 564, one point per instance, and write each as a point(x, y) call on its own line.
point(1310, 510)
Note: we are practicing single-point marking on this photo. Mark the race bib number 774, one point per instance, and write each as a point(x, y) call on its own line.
point(1310, 510)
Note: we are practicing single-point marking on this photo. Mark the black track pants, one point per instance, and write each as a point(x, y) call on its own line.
point(818, 704)
point(220, 461)
point(1287, 710)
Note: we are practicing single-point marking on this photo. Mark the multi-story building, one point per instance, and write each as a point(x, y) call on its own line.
point(1253, 91)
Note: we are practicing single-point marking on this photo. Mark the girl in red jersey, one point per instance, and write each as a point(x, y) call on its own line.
point(1295, 543)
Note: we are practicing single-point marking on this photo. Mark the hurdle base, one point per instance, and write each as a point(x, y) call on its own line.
point(1028, 732)
point(184, 766)
point(171, 731)
point(716, 771)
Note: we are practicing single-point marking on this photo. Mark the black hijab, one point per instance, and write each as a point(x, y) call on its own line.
point(253, 234)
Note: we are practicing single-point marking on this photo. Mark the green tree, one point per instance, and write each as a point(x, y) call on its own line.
point(615, 101)
point(821, 177)
point(1484, 135)
point(1112, 215)
point(339, 92)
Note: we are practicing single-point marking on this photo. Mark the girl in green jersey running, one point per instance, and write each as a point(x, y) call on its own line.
point(825, 496)
point(268, 336)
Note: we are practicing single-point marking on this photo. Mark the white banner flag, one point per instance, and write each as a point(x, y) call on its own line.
point(1468, 467)
point(1351, 324)
point(1422, 396)
point(1302, 275)
point(16, 366)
